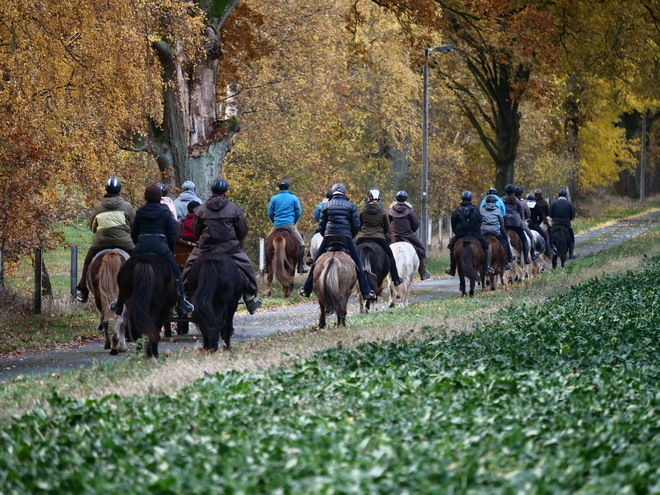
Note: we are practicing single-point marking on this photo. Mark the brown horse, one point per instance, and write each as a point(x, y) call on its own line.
point(334, 278)
point(102, 282)
point(519, 267)
point(147, 286)
point(282, 252)
point(497, 259)
point(469, 256)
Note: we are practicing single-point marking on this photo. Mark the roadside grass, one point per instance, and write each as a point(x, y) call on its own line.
point(509, 393)
point(600, 212)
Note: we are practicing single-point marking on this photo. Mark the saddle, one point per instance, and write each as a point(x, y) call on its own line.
point(282, 230)
point(337, 246)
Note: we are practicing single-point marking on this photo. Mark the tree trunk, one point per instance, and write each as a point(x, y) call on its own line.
point(192, 143)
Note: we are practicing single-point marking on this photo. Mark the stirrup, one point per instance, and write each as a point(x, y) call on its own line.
point(398, 282)
point(488, 270)
point(252, 305)
point(82, 296)
point(425, 275)
point(506, 266)
point(303, 293)
point(448, 271)
point(369, 296)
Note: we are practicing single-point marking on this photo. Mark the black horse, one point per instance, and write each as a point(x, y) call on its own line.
point(146, 284)
point(376, 266)
point(562, 238)
point(215, 286)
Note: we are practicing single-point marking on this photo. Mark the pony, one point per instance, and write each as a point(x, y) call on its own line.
point(376, 266)
point(102, 282)
point(497, 259)
point(519, 269)
point(538, 243)
point(469, 256)
point(315, 244)
point(562, 238)
point(407, 263)
point(334, 277)
point(215, 286)
point(147, 286)
point(282, 251)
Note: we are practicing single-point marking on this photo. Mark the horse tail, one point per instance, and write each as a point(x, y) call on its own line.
point(107, 278)
point(466, 260)
point(140, 319)
point(365, 259)
point(283, 270)
point(329, 284)
point(562, 241)
point(207, 284)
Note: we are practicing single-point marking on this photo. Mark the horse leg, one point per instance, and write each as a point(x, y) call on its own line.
point(269, 285)
point(322, 317)
point(106, 333)
point(554, 262)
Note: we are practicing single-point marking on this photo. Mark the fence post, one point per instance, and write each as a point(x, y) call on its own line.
point(37, 280)
point(429, 234)
point(451, 233)
point(440, 227)
point(74, 271)
point(262, 254)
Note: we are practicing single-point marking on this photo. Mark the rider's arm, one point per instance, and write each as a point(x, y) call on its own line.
point(355, 221)
point(297, 211)
point(271, 209)
point(241, 226)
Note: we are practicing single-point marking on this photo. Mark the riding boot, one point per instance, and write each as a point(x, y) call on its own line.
point(452, 267)
point(301, 261)
point(423, 273)
point(487, 268)
point(117, 306)
point(251, 303)
point(183, 306)
point(394, 273)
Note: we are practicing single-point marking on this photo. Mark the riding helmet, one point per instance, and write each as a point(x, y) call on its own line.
point(152, 194)
point(219, 185)
point(519, 191)
point(509, 189)
point(188, 186)
point(164, 189)
point(374, 194)
point(531, 197)
point(402, 196)
point(284, 184)
point(328, 194)
point(338, 189)
point(491, 199)
point(113, 185)
point(466, 196)
point(538, 193)
point(492, 190)
point(563, 193)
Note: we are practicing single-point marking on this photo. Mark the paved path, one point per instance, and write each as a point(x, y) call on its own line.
point(290, 318)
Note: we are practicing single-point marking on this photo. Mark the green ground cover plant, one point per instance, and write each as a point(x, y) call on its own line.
point(555, 398)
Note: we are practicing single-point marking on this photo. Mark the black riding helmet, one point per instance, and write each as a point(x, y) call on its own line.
point(402, 196)
point(492, 190)
point(164, 189)
point(338, 188)
point(219, 185)
point(284, 184)
point(563, 193)
point(328, 195)
point(518, 191)
point(113, 185)
point(374, 194)
point(466, 196)
point(491, 199)
point(509, 189)
point(531, 197)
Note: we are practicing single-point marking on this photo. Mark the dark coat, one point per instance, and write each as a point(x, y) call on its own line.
point(111, 220)
point(220, 225)
point(374, 221)
point(562, 212)
point(514, 212)
point(403, 220)
point(339, 217)
point(153, 229)
point(466, 220)
point(540, 212)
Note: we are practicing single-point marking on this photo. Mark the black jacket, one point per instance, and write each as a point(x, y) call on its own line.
point(466, 219)
point(540, 212)
point(154, 218)
point(339, 217)
point(562, 212)
point(514, 212)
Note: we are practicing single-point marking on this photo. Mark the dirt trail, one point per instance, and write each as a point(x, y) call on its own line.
point(290, 318)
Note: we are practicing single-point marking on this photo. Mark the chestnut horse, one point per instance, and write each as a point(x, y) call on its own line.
point(469, 256)
point(282, 252)
point(497, 259)
point(334, 278)
point(376, 266)
point(102, 283)
point(147, 286)
point(216, 287)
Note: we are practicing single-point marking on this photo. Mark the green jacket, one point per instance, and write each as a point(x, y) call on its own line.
point(111, 221)
point(374, 221)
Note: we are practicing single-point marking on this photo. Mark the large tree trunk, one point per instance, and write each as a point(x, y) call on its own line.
point(192, 142)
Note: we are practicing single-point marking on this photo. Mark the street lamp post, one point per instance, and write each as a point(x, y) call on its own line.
point(425, 142)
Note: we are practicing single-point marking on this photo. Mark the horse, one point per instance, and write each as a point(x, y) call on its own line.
point(562, 238)
point(102, 283)
point(469, 256)
point(376, 266)
point(282, 252)
point(147, 286)
point(215, 286)
point(497, 259)
point(519, 269)
point(407, 263)
point(315, 244)
point(538, 243)
point(334, 278)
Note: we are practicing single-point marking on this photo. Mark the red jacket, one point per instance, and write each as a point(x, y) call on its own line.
point(187, 227)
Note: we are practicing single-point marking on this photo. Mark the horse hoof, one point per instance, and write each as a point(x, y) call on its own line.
point(114, 352)
point(107, 346)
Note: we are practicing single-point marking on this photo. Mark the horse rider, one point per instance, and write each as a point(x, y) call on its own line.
point(404, 223)
point(221, 227)
point(339, 224)
point(492, 223)
point(284, 211)
point(492, 193)
point(466, 222)
point(374, 226)
point(187, 234)
point(518, 192)
point(319, 207)
point(539, 216)
point(514, 218)
point(166, 201)
point(540, 213)
point(187, 195)
point(154, 232)
point(110, 221)
point(562, 212)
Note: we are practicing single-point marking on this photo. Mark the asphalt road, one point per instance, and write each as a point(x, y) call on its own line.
point(287, 319)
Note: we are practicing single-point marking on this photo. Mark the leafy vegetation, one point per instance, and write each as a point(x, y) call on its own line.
point(555, 398)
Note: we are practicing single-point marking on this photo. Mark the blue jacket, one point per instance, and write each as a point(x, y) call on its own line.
point(317, 212)
point(284, 209)
point(499, 203)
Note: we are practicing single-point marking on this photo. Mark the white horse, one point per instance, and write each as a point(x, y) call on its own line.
point(314, 244)
point(407, 264)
